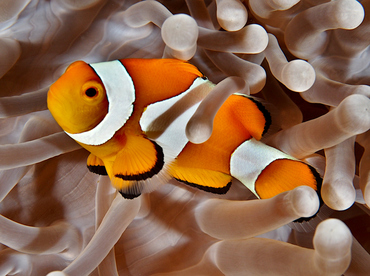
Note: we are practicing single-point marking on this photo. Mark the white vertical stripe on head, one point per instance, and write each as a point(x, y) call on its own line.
point(120, 92)
point(250, 159)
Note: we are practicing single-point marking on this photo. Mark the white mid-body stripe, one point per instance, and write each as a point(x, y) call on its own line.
point(165, 121)
point(121, 96)
point(250, 159)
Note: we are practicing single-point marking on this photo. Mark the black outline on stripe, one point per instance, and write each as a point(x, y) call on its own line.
point(220, 191)
point(133, 104)
point(265, 113)
point(262, 108)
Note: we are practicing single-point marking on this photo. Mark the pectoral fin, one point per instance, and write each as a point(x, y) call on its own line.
point(136, 164)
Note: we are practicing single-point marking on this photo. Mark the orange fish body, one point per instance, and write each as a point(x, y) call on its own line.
point(131, 116)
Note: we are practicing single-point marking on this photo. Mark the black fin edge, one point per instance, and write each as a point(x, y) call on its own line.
point(129, 196)
point(265, 113)
point(213, 190)
point(97, 169)
point(153, 171)
point(318, 191)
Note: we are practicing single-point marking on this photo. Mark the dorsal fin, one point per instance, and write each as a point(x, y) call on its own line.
point(159, 79)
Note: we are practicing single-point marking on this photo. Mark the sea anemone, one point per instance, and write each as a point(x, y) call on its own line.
point(309, 59)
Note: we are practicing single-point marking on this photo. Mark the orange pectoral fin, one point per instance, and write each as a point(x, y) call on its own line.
point(96, 165)
point(138, 161)
point(207, 180)
point(283, 175)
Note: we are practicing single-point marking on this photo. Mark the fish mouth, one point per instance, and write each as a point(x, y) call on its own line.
point(51, 100)
point(57, 108)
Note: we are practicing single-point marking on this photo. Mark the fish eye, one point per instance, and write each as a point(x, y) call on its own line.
point(91, 92)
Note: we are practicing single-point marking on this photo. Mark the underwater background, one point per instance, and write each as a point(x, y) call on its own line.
point(309, 59)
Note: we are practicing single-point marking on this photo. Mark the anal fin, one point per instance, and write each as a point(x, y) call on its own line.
point(96, 165)
point(206, 180)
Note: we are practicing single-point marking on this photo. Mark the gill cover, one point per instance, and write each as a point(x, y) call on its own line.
point(120, 93)
point(71, 102)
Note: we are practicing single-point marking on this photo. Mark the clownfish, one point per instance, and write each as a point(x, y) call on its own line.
point(131, 116)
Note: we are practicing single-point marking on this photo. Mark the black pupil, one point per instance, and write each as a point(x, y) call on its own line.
point(91, 92)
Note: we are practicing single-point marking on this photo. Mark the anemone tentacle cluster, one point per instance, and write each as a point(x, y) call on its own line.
point(309, 59)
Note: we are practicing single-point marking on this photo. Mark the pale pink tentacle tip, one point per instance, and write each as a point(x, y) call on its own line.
point(305, 35)
point(337, 189)
point(231, 14)
point(304, 201)
point(223, 219)
point(57, 273)
point(332, 242)
point(298, 75)
point(180, 34)
point(331, 256)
